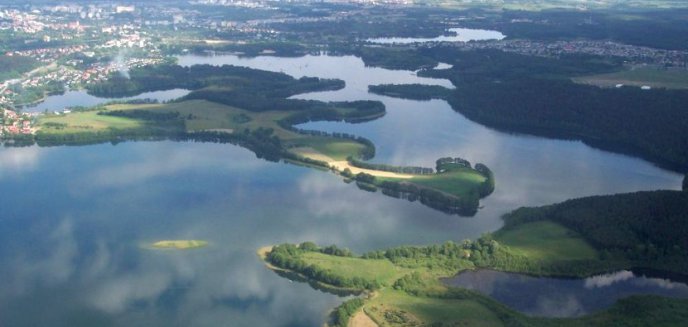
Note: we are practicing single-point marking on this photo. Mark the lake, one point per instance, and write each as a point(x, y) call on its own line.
point(457, 35)
point(75, 221)
point(73, 98)
point(557, 297)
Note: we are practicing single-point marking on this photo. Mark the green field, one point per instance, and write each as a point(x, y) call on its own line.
point(641, 76)
point(85, 122)
point(457, 182)
point(546, 240)
point(382, 271)
point(392, 308)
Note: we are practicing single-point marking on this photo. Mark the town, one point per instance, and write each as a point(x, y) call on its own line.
point(71, 46)
point(12, 123)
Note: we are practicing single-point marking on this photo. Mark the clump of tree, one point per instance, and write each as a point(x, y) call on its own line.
point(649, 228)
point(343, 313)
point(448, 164)
point(288, 256)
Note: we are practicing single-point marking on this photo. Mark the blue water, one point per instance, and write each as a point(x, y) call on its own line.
point(75, 221)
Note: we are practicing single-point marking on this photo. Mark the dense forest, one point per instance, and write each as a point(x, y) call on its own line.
point(13, 66)
point(650, 228)
point(230, 81)
point(536, 95)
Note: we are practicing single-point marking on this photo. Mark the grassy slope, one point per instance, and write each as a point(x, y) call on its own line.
point(86, 121)
point(546, 240)
point(391, 307)
point(453, 182)
point(381, 270)
point(654, 77)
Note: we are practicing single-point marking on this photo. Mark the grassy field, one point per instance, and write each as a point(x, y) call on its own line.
point(640, 76)
point(85, 121)
point(397, 308)
point(381, 270)
point(546, 240)
point(337, 150)
point(456, 182)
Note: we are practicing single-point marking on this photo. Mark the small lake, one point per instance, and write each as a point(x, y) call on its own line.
point(457, 35)
point(556, 297)
point(75, 221)
point(80, 98)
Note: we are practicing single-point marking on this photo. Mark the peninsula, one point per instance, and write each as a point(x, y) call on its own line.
point(402, 286)
point(251, 108)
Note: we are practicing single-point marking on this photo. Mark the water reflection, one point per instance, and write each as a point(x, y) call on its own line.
point(461, 35)
point(15, 161)
point(74, 218)
point(77, 257)
point(530, 170)
point(83, 99)
point(554, 297)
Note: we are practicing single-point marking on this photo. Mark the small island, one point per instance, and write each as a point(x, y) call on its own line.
point(402, 286)
point(179, 244)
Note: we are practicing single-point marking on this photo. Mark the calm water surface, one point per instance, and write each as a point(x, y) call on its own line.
point(460, 35)
point(555, 297)
point(81, 98)
point(75, 220)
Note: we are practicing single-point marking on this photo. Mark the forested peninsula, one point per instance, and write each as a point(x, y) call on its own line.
point(576, 238)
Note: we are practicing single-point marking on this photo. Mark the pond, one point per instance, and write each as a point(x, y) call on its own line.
point(557, 297)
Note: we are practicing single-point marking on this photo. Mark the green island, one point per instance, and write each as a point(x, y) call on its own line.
point(251, 108)
point(179, 244)
point(577, 238)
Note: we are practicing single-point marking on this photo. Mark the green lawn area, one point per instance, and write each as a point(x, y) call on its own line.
point(546, 240)
point(458, 182)
point(651, 76)
point(381, 270)
point(86, 121)
point(391, 306)
point(337, 149)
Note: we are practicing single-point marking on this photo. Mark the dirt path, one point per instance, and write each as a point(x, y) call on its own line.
point(341, 165)
point(361, 319)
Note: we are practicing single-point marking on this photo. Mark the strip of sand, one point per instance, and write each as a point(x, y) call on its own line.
point(341, 165)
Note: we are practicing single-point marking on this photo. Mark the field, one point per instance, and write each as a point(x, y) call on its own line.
point(457, 182)
point(84, 122)
point(547, 241)
point(641, 76)
point(397, 308)
point(381, 270)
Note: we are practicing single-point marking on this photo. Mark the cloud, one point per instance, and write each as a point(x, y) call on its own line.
point(608, 279)
point(19, 160)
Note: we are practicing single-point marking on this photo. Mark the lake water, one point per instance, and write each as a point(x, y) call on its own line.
point(81, 98)
point(75, 220)
point(555, 297)
point(459, 35)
